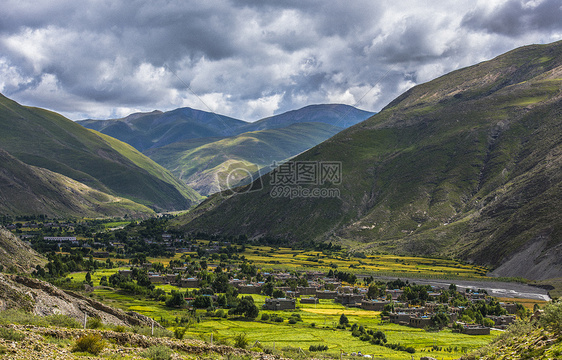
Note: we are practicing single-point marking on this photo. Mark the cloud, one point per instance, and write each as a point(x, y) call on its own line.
point(513, 18)
point(248, 59)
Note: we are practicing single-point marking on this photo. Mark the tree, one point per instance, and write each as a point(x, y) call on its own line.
point(374, 292)
point(488, 322)
point(176, 300)
point(246, 307)
point(440, 320)
point(88, 278)
point(267, 288)
point(344, 320)
point(202, 302)
point(278, 293)
point(220, 284)
point(551, 318)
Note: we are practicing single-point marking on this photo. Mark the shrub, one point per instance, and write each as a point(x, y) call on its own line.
point(11, 334)
point(179, 332)
point(221, 340)
point(20, 317)
point(551, 319)
point(264, 317)
point(292, 321)
point(297, 317)
point(120, 329)
point(365, 337)
point(92, 344)
point(159, 352)
point(94, 323)
point(312, 348)
point(241, 341)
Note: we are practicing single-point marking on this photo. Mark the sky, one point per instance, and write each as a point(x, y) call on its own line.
point(249, 59)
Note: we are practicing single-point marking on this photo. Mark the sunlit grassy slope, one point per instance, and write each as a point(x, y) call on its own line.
point(198, 165)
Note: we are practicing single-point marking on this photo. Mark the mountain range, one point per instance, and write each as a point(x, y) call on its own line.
point(198, 146)
point(468, 165)
point(156, 129)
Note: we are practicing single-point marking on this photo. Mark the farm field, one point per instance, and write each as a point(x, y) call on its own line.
point(317, 328)
point(376, 265)
point(287, 259)
point(318, 325)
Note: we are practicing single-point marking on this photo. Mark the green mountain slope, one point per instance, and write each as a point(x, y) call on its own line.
point(199, 166)
point(45, 139)
point(29, 190)
point(467, 165)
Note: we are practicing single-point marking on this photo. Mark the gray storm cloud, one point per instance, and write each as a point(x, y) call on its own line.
point(248, 59)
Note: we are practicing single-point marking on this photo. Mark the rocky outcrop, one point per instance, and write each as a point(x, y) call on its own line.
point(42, 298)
point(17, 255)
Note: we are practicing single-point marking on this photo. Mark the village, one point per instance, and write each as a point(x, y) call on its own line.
point(457, 308)
point(470, 312)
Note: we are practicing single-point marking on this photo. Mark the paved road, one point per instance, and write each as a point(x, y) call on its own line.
point(494, 288)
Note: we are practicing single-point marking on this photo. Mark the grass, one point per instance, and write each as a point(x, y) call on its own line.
point(303, 334)
point(103, 163)
point(115, 224)
point(528, 303)
point(279, 258)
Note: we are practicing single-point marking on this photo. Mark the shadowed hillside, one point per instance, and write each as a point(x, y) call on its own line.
point(467, 165)
point(45, 139)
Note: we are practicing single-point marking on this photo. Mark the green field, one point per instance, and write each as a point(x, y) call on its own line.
point(318, 321)
point(391, 265)
point(317, 327)
point(287, 259)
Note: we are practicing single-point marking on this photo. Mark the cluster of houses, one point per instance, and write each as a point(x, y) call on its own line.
point(319, 288)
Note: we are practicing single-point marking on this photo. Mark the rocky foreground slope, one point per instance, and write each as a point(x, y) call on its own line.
point(58, 343)
point(41, 298)
point(17, 255)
